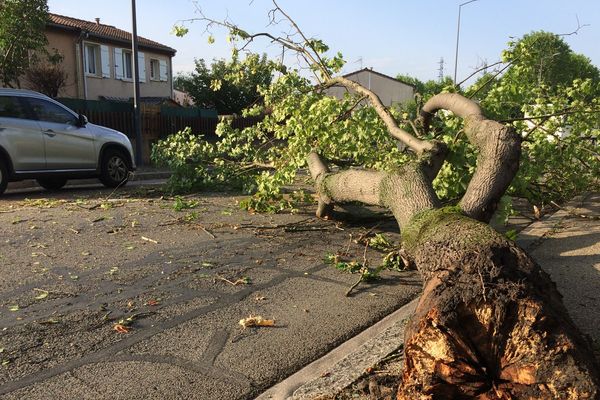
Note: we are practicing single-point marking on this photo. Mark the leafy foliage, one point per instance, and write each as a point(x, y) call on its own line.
point(22, 25)
point(227, 86)
point(543, 77)
point(551, 96)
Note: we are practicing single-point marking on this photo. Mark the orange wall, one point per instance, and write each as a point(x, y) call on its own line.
point(68, 46)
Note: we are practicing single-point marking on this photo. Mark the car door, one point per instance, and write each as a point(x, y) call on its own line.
point(20, 135)
point(68, 145)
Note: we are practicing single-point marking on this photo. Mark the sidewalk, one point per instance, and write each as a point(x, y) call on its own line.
point(566, 245)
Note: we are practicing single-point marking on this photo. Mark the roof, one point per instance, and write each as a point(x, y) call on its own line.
point(377, 73)
point(102, 31)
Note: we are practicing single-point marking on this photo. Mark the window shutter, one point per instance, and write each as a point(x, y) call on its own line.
point(104, 58)
point(118, 63)
point(163, 70)
point(142, 66)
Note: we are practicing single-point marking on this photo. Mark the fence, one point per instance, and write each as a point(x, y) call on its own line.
point(157, 122)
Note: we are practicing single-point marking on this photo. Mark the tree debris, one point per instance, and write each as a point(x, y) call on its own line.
point(256, 321)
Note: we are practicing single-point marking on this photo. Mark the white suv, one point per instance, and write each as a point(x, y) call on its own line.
point(42, 139)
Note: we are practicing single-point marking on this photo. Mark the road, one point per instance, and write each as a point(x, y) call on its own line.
point(137, 295)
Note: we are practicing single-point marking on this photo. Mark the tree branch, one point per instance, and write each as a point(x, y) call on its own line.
point(417, 145)
point(499, 150)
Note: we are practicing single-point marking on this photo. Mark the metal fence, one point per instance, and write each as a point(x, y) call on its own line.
point(157, 121)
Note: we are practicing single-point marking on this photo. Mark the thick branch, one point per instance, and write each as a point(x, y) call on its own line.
point(405, 192)
point(499, 150)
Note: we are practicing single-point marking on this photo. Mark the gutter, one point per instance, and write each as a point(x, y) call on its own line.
point(81, 64)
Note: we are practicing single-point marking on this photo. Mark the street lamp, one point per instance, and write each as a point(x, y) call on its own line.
point(136, 88)
point(458, 36)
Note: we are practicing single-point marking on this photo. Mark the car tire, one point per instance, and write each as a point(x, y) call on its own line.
point(51, 183)
point(115, 169)
point(3, 176)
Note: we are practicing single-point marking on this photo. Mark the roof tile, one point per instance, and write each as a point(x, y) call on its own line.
point(107, 31)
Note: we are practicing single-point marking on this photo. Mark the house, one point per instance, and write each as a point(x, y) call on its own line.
point(390, 90)
point(98, 60)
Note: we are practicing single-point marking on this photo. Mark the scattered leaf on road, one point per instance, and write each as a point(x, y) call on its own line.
point(149, 240)
point(121, 328)
point(43, 294)
point(244, 280)
point(14, 308)
point(256, 321)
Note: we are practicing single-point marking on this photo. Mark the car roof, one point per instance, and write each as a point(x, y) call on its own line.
point(22, 92)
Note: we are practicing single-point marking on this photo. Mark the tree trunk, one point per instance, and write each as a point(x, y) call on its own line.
point(490, 323)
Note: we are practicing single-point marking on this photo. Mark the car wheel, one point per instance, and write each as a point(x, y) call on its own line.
point(51, 183)
point(115, 168)
point(3, 177)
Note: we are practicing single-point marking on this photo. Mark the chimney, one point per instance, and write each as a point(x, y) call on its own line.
point(97, 21)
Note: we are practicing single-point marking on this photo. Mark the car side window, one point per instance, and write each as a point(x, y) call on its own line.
point(49, 112)
point(11, 107)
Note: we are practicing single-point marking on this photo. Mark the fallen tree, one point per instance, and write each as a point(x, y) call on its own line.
point(490, 323)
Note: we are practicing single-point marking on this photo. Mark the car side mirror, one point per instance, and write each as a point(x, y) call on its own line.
point(82, 120)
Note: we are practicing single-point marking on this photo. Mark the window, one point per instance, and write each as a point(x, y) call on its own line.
point(92, 59)
point(50, 112)
point(127, 66)
point(154, 70)
point(11, 107)
point(96, 62)
point(124, 65)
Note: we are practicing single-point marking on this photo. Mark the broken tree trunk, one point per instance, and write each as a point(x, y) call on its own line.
point(490, 323)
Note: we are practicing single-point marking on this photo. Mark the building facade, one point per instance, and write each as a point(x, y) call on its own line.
point(98, 61)
point(390, 90)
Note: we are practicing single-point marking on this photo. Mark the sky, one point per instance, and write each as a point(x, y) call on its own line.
point(392, 36)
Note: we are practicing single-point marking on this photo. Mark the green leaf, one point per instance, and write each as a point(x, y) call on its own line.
point(43, 294)
point(179, 30)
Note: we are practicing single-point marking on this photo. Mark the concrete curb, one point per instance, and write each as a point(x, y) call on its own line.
point(347, 362)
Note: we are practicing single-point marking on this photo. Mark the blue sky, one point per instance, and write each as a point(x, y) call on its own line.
point(392, 36)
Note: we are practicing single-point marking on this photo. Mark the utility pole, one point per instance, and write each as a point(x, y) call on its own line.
point(137, 122)
point(458, 36)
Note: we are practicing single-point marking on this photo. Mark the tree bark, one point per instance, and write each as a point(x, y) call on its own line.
point(498, 147)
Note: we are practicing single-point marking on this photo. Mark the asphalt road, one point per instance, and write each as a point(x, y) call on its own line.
point(134, 295)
